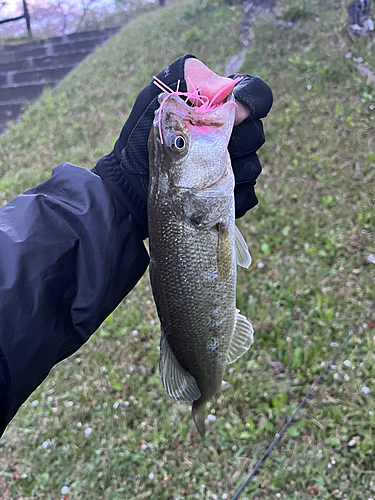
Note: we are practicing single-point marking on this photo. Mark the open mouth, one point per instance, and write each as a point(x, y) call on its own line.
point(201, 110)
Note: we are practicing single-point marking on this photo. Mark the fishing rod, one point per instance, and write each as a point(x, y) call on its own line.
point(302, 403)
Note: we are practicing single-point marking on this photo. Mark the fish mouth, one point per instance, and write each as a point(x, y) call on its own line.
point(216, 116)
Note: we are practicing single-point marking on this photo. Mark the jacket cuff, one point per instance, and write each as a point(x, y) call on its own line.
point(127, 193)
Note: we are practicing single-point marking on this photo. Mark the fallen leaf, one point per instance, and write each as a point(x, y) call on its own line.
point(276, 365)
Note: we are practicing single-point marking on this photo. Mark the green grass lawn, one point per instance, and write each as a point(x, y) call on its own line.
point(101, 423)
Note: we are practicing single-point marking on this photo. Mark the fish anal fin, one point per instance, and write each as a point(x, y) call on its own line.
point(197, 411)
point(242, 338)
point(243, 256)
point(177, 382)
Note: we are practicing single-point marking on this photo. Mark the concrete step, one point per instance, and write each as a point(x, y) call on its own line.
point(44, 75)
point(61, 60)
point(3, 80)
point(9, 111)
point(14, 66)
point(87, 34)
point(22, 93)
point(78, 45)
point(46, 61)
point(26, 69)
point(78, 36)
point(6, 57)
point(51, 50)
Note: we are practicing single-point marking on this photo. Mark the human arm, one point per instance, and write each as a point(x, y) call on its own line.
point(69, 253)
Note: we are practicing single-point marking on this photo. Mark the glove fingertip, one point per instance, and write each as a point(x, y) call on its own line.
point(255, 93)
point(245, 199)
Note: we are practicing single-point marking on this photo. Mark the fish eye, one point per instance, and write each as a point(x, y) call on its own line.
point(179, 142)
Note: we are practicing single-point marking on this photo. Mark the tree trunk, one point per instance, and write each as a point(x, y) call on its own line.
point(27, 17)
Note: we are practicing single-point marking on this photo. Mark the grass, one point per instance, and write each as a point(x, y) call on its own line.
point(308, 284)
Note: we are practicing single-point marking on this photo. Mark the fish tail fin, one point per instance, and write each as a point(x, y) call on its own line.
point(198, 417)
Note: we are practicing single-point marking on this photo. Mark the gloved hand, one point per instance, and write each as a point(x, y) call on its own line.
point(125, 170)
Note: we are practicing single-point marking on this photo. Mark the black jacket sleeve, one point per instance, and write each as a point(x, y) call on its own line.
point(69, 253)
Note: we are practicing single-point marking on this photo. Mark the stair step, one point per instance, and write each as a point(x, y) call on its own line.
point(59, 60)
point(78, 36)
point(45, 75)
point(18, 56)
point(26, 69)
point(87, 34)
point(14, 66)
point(9, 111)
point(21, 93)
point(3, 80)
point(51, 50)
point(78, 45)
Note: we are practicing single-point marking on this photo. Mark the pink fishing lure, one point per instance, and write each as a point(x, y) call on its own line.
point(200, 102)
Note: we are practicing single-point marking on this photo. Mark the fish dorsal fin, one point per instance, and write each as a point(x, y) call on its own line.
point(242, 252)
point(178, 383)
point(242, 338)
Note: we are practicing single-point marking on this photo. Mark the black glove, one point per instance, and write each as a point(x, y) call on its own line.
point(125, 170)
point(247, 138)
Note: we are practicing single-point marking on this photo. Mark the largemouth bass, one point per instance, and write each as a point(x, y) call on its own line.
point(194, 249)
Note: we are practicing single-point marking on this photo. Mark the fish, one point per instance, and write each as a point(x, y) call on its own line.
point(195, 248)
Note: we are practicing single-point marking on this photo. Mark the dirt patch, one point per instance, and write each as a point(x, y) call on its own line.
point(252, 9)
point(261, 4)
point(365, 70)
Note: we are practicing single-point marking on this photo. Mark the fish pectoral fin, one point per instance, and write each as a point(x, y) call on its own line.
point(178, 383)
point(242, 252)
point(242, 338)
